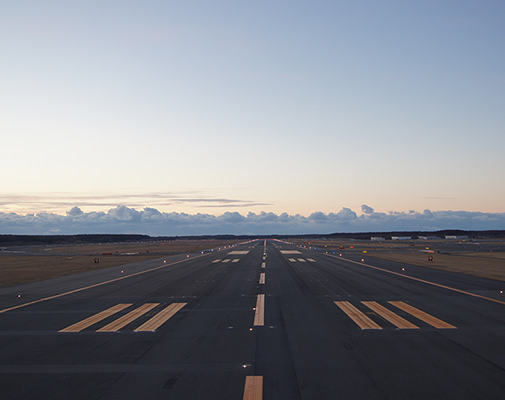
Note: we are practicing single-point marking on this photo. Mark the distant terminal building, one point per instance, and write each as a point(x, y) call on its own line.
point(401, 237)
point(456, 237)
point(429, 237)
point(377, 239)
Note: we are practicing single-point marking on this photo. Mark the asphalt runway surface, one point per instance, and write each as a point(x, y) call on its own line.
point(262, 320)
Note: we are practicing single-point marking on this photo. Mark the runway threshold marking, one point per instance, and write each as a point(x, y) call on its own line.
point(96, 285)
point(259, 315)
point(292, 260)
point(253, 388)
point(262, 278)
point(311, 259)
point(390, 316)
point(419, 280)
point(119, 323)
point(85, 323)
point(357, 316)
point(235, 260)
point(216, 261)
point(160, 318)
point(429, 319)
point(301, 260)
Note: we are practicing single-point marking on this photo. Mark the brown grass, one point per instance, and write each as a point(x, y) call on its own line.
point(482, 264)
point(44, 262)
point(490, 265)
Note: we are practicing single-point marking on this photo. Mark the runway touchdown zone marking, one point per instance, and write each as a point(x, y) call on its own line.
point(150, 325)
point(301, 260)
point(364, 322)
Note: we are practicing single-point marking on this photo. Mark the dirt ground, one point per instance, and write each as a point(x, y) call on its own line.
point(34, 263)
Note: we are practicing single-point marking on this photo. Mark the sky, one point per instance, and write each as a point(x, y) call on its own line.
point(194, 117)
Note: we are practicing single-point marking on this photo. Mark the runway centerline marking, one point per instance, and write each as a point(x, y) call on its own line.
point(85, 323)
point(96, 285)
point(160, 318)
point(389, 315)
point(357, 316)
point(253, 388)
point(259, 315)
point(119, 323)
point(420, 280)
point(263, 265)
point(262, 278)
point(429, 319)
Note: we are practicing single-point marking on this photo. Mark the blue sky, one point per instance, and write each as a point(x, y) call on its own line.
point(281, 108)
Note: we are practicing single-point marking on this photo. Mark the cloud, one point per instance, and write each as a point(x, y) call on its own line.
point(123, 219)
point(60, 201)
point(367, 209)
point(74, 211)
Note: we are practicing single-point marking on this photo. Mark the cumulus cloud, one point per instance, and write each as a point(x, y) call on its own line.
point(74, 211)
point(367, 209)
point(123, 219)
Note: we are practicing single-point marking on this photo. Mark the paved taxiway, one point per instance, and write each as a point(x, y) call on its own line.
point(255, 322)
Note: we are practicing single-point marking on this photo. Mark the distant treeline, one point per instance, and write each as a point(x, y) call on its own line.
point(25, 240)
point(20, 240)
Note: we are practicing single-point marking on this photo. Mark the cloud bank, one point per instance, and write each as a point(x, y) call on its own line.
point(150, 221)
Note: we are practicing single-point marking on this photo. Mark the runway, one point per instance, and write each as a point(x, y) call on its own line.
point(262, 320)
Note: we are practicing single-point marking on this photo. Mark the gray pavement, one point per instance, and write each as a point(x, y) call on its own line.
point(309, 345)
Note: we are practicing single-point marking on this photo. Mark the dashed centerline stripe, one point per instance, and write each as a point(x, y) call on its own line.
point(357, 316)
point(429, 319)
point(253, 388)
point(262, 278)
point(160, 318)
point(119, 323)
point(390, 316)
point(79, 326)
point(259, 315)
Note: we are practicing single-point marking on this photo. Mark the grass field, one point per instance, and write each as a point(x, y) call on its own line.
point(484, 259)
point(35, 263)
point(490, 266)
